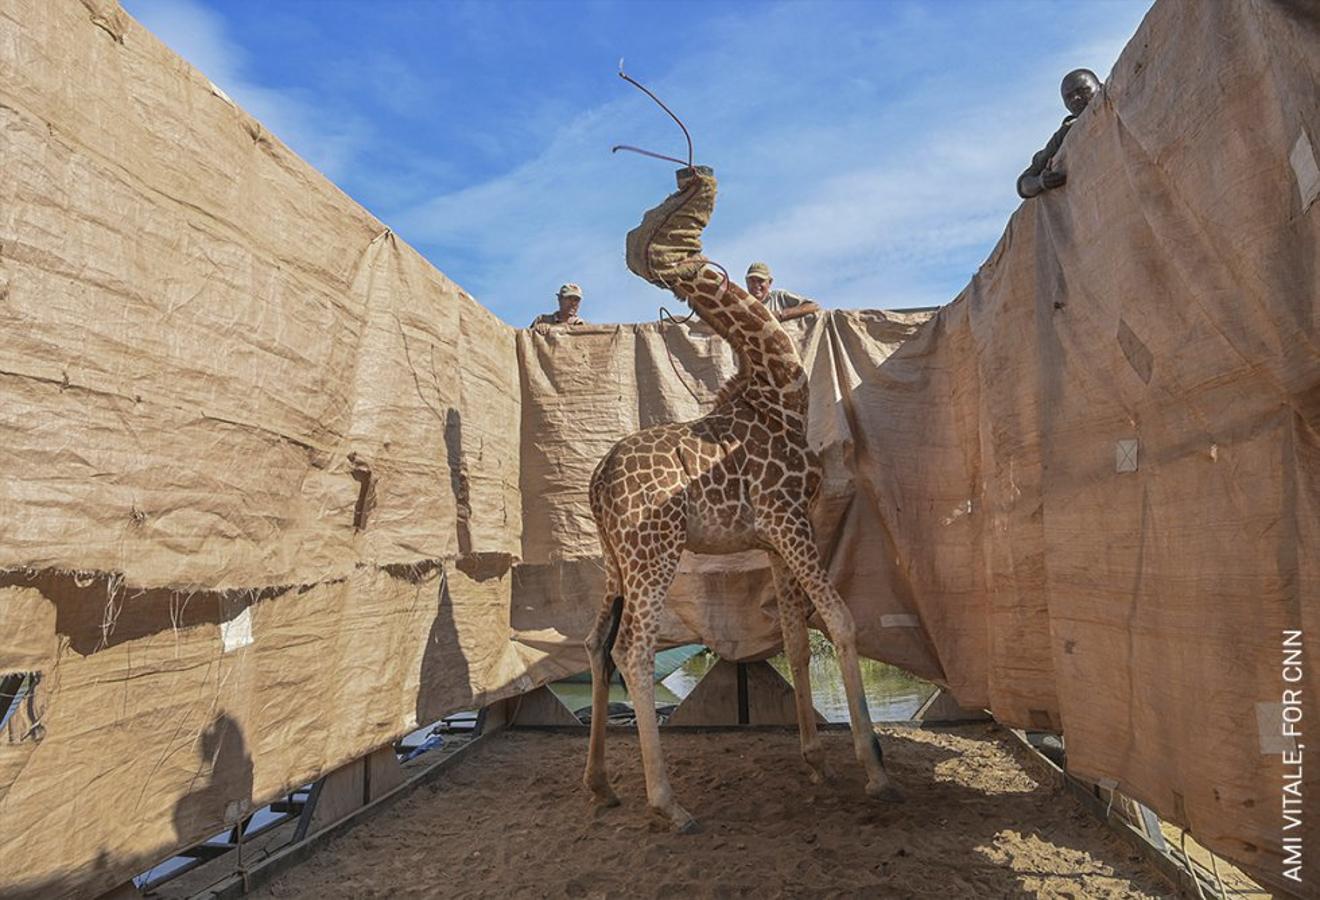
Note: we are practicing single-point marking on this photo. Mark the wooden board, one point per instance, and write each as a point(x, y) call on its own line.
point(714, 701)
point(941, 707)
point(353, 786)
point(540, 707)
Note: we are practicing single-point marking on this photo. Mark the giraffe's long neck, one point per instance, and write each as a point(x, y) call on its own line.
point(766, 354)
point(666, 250)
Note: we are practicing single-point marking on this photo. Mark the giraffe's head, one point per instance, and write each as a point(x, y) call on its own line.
point(667, 244)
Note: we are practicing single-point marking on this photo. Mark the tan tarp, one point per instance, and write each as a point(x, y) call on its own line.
point(246, 435)
point(275, 489)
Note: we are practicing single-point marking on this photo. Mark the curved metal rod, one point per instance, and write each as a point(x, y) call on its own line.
point(628, 78)
point(617, 147)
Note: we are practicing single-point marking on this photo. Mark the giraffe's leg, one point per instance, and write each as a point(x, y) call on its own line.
point(794, 609)
point(607, 622)
point(792, 538)
point(647, 588)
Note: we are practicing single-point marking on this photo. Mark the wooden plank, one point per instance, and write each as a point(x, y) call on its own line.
point(715, 699)
point(384, 773)
point(941, 707)
point(353, 786)
point(538, 708)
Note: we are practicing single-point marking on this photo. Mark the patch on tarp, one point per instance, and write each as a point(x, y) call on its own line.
point(1269, 730)
point(237, 632)
point(1125, 455)
point(1138, 354)
point(1305, 168)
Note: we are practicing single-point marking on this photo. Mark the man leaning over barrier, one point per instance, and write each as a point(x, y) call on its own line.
point(784, 305)
point(1079, 86)
point(570, 298)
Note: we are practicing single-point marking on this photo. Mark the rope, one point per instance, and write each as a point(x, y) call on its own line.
point(665, 314)
point(1187, 861)
point(1214, 861)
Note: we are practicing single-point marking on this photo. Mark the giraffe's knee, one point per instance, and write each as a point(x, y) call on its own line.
point(842, 628)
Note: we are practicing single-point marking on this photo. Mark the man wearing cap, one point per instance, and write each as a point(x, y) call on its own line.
point(1078, 87)
point(570, 298)
point(784, 305)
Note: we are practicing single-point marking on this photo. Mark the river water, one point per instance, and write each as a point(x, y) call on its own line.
point(891, 693)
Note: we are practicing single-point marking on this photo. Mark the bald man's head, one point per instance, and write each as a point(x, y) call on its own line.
point(1078, 87)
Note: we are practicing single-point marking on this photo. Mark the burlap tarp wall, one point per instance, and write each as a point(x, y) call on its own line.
point(260, 494)
point(275, 490)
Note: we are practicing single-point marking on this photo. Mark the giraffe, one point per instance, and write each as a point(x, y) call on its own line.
point(740, 477)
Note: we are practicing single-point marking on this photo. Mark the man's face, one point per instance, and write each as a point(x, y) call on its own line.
point(1078, 89)
point(758, 287)
point(568, 305)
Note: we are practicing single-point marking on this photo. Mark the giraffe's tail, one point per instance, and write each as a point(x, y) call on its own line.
point(616, 616)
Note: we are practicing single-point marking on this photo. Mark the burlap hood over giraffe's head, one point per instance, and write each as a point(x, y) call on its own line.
point(667, 244)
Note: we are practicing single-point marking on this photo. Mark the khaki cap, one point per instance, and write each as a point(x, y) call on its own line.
point(759, 270)
point(570, 290)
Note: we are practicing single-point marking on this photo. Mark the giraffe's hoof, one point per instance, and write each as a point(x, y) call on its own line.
point(887, 792)
point(816, 777)
point(602, 795)
point(605, 799)
point(676, 817)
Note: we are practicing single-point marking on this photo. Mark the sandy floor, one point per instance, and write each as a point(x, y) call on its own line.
point(515, 822)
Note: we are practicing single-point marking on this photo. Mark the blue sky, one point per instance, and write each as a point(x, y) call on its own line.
point(866, 150)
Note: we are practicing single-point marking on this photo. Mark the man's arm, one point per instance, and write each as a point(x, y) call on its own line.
point(806, 307)
point(786, 305)
point(1040, 176)
point(1030, 185)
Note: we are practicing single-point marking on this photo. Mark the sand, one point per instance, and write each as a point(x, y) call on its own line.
point(982, 819)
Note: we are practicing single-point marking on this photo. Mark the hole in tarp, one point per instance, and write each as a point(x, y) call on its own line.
point(366, 499)
point(17, 689)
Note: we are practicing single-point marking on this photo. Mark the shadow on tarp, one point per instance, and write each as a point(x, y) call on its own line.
point(444, 684)
point(458, 480)
point(96, 610)
point(220, 796)
point(221, 791)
